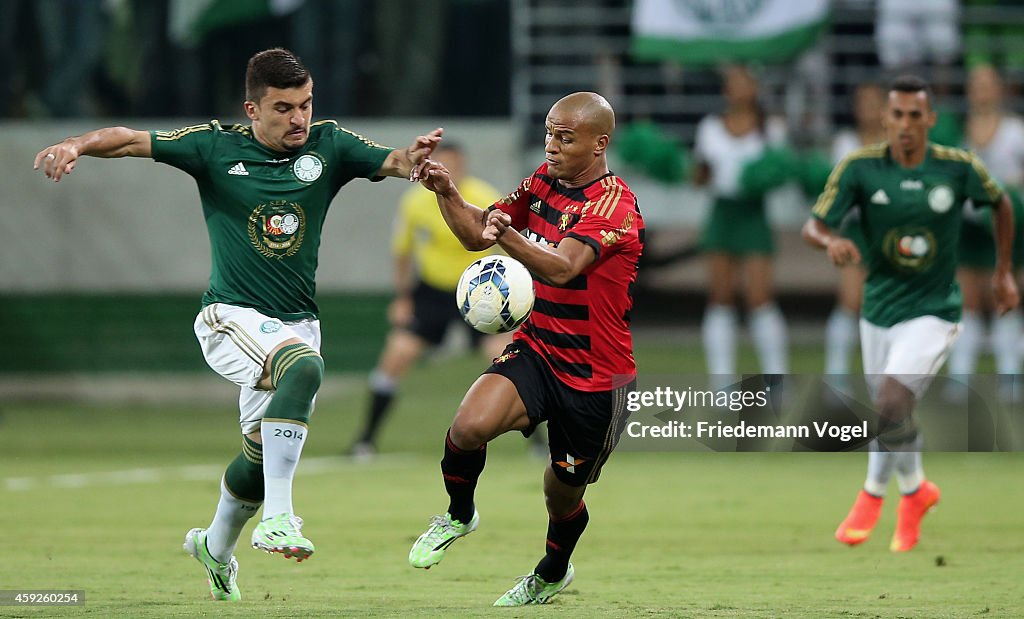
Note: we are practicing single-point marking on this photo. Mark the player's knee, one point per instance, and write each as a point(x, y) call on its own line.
point(562, 499)
point(469, 432)
point(896, 424)
point(299, 368)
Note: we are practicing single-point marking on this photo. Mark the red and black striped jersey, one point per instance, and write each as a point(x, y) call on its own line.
point(582, 328)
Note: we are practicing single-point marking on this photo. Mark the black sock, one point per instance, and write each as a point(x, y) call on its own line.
point(562, 537)
point(380, 404)
point(461, 469)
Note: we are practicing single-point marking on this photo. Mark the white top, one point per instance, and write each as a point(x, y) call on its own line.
point(726, 153)
point(1004, 153)
point(845, 142)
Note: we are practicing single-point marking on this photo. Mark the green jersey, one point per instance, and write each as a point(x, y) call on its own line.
point(911, 220)
point(265, 209)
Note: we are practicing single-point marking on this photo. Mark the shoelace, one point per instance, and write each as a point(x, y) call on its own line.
point(295, 521)
point(526, 588)
point(439, 527)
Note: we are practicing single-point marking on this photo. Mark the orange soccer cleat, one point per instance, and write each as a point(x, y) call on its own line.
point(858, 524)
point(912, 509)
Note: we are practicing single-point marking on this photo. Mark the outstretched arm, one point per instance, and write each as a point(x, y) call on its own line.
point(409, 162)
point(465, 220)
point(841, 251)
point(60, 159)
point(1003, 284)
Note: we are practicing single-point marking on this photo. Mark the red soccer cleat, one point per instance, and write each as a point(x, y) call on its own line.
point(912, 509)
point(858, 524)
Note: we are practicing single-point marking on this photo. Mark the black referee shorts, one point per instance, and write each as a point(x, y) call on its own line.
point(433, 310)
point(583, 427)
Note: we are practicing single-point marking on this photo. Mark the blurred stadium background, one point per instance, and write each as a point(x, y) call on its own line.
point(105, 399)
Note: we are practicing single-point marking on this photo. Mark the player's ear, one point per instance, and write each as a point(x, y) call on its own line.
point(250, 110)
point(601, 144)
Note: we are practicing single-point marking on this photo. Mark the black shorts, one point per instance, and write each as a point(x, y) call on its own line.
point(583, 427)
point(433, 310)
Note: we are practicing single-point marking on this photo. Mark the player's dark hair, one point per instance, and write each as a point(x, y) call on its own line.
point(912, 84)
point(273, 68)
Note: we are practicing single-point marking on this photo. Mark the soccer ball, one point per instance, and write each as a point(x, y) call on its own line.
point(495, 294)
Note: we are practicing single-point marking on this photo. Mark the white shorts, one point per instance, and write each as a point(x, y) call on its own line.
point(236, 342)
point(912, 351)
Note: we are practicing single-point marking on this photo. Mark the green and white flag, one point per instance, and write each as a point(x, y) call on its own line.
point(192, 20)
point(715, 31)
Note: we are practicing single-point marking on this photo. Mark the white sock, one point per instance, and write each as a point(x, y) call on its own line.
point(382, 383)
point(880, 465)
point(963, 358)
point(909, 471)
point(840, 337)
point(768, 329)
point(719, 332)
point(282, 447)
point(232, 514)
point(1006, 337)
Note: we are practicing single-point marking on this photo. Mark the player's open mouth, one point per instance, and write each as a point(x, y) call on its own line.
point(297, 132)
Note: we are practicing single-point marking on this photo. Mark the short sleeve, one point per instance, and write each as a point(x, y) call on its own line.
point(610, 224)
point(516, 204)
point(187, 148)
point(359, 157)
point(981, 188)
point(700, 143)
point(839, 196)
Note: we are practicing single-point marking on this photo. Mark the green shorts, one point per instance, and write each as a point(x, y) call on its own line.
point(738, 227)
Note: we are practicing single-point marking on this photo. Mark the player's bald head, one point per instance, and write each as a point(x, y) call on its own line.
point(585, 109)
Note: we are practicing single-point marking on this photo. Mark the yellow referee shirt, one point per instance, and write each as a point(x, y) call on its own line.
point(421, 232)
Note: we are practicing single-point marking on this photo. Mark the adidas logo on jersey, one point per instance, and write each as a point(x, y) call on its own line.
point(880, 197)
point(238, 170)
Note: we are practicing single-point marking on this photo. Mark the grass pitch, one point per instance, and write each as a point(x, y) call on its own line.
point(99, 499)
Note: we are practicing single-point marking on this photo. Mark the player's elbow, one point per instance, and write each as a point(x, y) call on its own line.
point(561, 277)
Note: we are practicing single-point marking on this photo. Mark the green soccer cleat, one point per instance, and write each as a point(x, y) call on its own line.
point(282, 534)
point(221, 576)
point(429, 547)
point(531, 589)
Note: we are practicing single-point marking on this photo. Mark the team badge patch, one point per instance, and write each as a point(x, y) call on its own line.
point(271, 326)
point(940, 198)
point(276, 229)
point(308, 168)
point(910, 250)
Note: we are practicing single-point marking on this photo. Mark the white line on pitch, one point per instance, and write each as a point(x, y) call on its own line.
point(200, 472)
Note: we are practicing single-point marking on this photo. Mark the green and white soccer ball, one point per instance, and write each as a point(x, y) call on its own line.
point(495, 294)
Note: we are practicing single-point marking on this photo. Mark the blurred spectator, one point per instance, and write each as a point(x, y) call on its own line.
point(995, 41)
point(409, 37)
point(328, 36)
point(913, 34)
point(998, 138)
point(69, 35)
point(737, 238)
